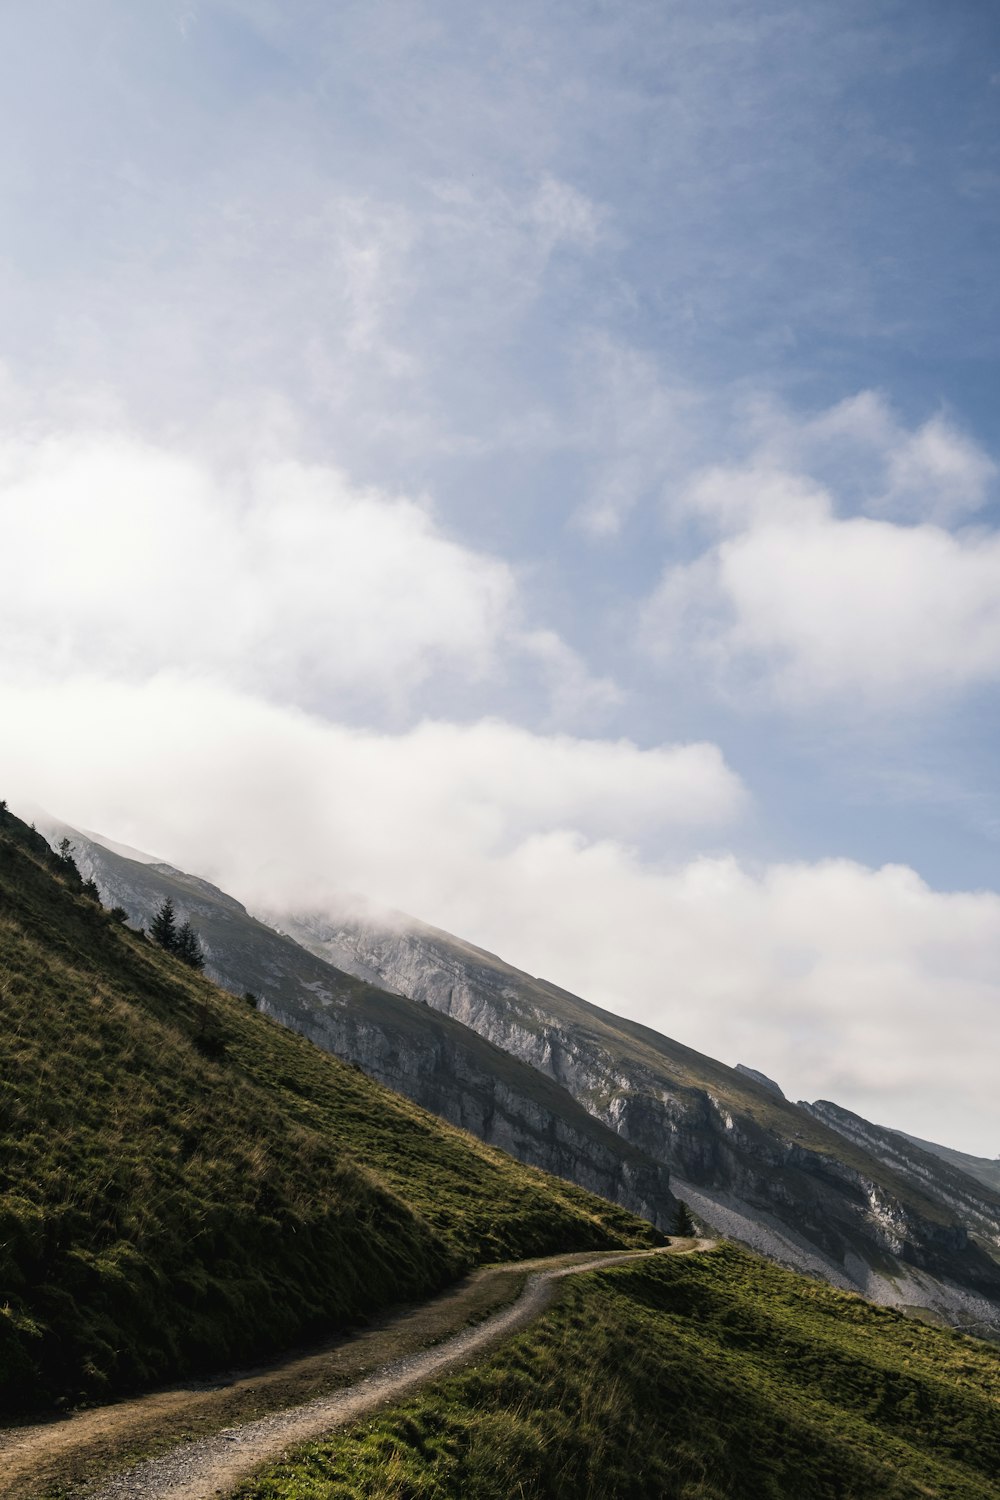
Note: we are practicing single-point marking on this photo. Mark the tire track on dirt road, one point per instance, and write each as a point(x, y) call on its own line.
point(213, 1465)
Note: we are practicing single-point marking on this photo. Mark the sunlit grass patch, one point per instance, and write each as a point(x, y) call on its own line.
point(712, 1376)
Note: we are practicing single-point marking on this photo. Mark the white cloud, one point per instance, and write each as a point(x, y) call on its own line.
point(494, 246)
point(565, 216)
point(287, 807)
point(864, 452)
point(823, 609)
point(801, 595)
point(399, 237)
point(940, 472)
point(576, 695)
point(841, 981)
point(367, 250)
point(637, 427)
point(737, 500)
point(283, 577)
point(382, 800)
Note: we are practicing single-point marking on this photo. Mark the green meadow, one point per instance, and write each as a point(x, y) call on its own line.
point(710, 1377)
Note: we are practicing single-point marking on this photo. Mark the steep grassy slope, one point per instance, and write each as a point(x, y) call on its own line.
point(715, 1376)
point(436, 1061)
point(184, 1183)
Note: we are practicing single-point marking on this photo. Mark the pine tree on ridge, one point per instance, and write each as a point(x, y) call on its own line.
point(163, 928)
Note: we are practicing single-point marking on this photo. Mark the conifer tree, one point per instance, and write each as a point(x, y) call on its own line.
point(684, 1225)
point(163, 928)
point(189, 947)
point(68, 862)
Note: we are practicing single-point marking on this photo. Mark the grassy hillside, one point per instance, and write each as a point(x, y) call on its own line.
point(713, 1376)
point(436, 1061)
point(184, 1183)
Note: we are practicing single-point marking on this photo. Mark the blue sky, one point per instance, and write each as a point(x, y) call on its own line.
point(546, 458)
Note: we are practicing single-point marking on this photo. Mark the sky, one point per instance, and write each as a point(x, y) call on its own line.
point(534, 467)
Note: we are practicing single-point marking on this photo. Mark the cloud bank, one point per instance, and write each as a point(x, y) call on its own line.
point(840, 980)
point(816, 594)
point(281, 577)
point(391, 495)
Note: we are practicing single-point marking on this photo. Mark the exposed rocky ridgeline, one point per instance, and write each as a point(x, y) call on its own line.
point(429, 1057)
point(983, 1168)
point(971, 1201)
point(760, 1078)
point(751, 1162)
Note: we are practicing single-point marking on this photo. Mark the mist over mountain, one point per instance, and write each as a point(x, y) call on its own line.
point(608, 1103)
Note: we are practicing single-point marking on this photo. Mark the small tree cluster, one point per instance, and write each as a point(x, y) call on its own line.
point(181, 940)
point(69, 864)
point(71, 870)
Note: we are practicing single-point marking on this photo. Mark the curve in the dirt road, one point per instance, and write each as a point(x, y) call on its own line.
point(204, 1469)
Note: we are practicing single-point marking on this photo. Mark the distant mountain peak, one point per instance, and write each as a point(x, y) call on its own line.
point(761, 1078)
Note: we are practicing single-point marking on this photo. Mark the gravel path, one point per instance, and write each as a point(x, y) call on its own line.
point(212, 1466)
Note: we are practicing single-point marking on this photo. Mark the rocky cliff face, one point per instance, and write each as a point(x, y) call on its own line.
point(761, 1078)
point(798, 1185)
point(972, 1202)
point(983, 1169)
point(431, 1058)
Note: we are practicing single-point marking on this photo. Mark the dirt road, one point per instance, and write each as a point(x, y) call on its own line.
point(384, 1365)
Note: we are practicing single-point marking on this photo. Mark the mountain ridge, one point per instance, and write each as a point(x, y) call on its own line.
point(751, 1163)
point(985, 1169)
point(753, 1160)
point(433, 1059)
